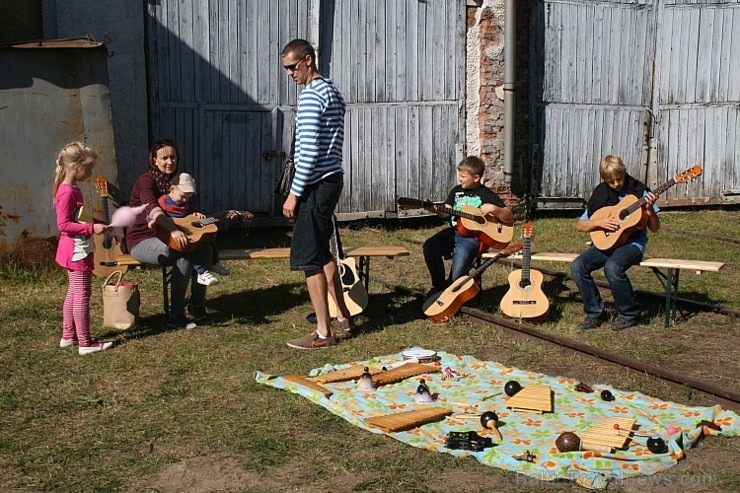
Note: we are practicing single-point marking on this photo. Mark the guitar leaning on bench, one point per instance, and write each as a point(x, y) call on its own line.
point(197, 229)
point(631, 213)
point(106, 248)
point(443, 306)
point(486, 228)
point(353, 290)
point(525, 298)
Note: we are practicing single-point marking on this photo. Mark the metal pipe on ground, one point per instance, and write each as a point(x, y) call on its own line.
point(671, 376)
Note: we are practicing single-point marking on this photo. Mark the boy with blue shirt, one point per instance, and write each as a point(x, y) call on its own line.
point(616, 185)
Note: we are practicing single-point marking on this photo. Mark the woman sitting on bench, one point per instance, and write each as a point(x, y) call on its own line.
point(145, 247)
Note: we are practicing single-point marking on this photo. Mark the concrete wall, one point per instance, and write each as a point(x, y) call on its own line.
point(120, 25)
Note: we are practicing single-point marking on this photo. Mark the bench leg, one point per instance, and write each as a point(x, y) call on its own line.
point(670, 285)
point(364, 270)
point(166, 279)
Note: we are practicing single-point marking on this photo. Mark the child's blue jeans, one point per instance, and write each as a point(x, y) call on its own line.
point(449, 243)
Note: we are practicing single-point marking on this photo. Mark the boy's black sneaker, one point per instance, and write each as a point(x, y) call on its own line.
point(590, 323)
point(199, 315)
point(181, 322)
point(622, 323)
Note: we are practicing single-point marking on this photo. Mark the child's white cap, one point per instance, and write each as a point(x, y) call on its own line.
point(185, 182)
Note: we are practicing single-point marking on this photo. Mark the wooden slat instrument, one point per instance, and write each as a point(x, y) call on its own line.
point(605, 434)
point(305, 382)
point(536, 398)
point(408, 420)
point(352, 373)
point(403, 372)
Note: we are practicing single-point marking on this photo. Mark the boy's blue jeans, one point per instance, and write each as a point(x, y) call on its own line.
point(445, 244)
point(615, 268)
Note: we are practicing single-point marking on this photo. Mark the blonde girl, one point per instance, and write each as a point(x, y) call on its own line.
point(74, 252)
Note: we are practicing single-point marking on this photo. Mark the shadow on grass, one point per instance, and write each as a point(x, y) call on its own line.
point(387, 309)
point(252, 307)
point(255, 306)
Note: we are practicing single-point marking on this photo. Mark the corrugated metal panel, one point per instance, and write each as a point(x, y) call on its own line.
point(49, 98)
point(697, 98)
point(218, 87)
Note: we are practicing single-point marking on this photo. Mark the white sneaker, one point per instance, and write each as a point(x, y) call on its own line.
point(220, 268)
point(207, 279)
point(95, 347)
point(67, 342)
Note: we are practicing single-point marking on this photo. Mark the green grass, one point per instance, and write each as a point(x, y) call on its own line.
point(180, 410)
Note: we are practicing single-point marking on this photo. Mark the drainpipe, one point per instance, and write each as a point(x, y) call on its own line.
point(509, 75)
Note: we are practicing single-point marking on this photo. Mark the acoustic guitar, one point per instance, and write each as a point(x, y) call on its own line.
point(525, 298)
point(198, 230)
point(106, 249)
point(353, 290)
point(471, 222)
point(444, 306)
point(630, 213)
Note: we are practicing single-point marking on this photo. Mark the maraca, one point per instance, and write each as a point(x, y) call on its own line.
point(570, 442)
point(512, 387)
point(656, 445)
point(489, 421)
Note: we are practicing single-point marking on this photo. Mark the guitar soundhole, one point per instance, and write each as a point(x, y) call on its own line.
point(107, 243)
point(524, 285)
point(623, 214)
point(196, 224)
point(347, 276)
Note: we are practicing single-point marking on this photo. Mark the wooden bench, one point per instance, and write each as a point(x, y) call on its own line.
point(668, 279)
point(362, 254)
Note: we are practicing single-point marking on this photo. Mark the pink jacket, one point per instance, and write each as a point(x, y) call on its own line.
point(68, 201)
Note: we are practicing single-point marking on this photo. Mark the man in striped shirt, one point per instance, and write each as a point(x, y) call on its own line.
point(315, 190)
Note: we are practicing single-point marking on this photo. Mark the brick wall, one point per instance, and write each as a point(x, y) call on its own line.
point(486, 20)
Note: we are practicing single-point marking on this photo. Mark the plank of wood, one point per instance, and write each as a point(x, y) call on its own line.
point(667, 263)
point(544, 256)
point(675, 263)
point(275, 253)
point(254, 253)
point(371, 251)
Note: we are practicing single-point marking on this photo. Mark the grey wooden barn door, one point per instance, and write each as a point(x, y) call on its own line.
point(653, 81)
point(216, 86)
point(592, 65)
point(697, 99)
point(400, 65)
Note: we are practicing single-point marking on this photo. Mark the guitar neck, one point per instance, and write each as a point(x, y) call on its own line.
point(526, 258)
point(485, 265)
point(640, 203)
point(106, 214)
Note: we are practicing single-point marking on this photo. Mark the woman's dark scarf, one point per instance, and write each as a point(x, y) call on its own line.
point(162, 181)
point(604, 196)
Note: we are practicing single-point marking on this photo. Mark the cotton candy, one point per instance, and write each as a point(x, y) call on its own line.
point(125, 216)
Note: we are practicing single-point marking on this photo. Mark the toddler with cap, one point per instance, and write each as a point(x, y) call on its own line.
point(175, 204)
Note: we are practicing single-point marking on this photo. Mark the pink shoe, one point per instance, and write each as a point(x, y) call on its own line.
point(67, 342)
point(95, 347)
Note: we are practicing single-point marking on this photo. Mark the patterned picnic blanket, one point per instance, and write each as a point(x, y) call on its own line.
point(479, 385)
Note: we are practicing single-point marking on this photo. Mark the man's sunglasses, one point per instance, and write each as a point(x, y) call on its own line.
point(293, 66)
